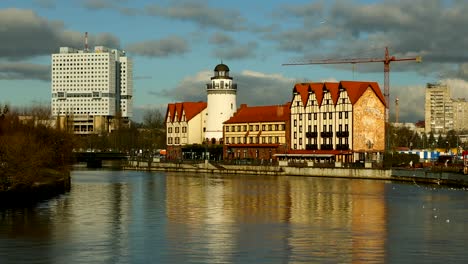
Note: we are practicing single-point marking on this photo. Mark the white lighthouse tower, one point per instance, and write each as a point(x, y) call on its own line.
point(221, 102)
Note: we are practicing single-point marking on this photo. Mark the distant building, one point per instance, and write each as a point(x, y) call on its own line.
point(257, 132)
point(91, 91)
point(460, 114)
point(185, 123)
point(345, 120)
point(438, 109)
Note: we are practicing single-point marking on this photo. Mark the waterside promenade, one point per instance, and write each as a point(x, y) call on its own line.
point(411, 175)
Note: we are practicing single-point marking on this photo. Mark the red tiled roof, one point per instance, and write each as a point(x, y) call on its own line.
point(270, 113)
point(354, 89)
point(303, 90)
point(191, 109)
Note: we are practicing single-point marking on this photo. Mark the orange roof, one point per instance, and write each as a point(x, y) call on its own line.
point(191, 109)
point(354, 89)
point(270, 113)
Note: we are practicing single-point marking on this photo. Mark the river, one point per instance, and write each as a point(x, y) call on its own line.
point(154, 217)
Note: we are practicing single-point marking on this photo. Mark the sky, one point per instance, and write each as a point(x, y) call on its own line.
point(176, 44)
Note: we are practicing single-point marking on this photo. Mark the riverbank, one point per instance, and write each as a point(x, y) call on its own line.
point(50, 184)
point(409, 175)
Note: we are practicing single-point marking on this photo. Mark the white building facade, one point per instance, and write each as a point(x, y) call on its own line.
point(222, 102)
point(91, 90)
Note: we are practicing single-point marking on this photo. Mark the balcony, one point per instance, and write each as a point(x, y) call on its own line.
point(326, 134)
point(342, 133)
point(311, 146)
point(311, 134)
point(342, 146)
point(326, 147)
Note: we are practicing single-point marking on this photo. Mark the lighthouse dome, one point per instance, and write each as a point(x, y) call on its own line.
point(221, 67)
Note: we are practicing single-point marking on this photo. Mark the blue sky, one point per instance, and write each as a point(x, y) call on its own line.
point(176, 44)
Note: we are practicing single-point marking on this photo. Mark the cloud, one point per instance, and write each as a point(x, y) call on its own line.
point(24, 71)
point(435, 29)
point(160, 48)
point(98, 4)
point(221, 39)
point(238, 51)
point(25, 34)
point(254, 88)
point(49, 4)
point(199, 13)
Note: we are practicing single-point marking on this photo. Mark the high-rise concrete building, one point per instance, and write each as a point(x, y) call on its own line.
point(438, 109)
point(91, 91)
point(460, 114)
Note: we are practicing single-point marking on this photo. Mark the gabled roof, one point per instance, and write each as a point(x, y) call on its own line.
point(354, 89)
point(270, 113)
point(191, 109)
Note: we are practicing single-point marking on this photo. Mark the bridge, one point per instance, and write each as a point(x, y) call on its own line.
point(94, 159)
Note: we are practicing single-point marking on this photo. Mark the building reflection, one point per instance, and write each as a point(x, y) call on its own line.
point(315, 217)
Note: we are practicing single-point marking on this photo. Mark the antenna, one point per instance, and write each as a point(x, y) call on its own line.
point(86, 42)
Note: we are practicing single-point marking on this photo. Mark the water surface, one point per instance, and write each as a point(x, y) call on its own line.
point(143, 217)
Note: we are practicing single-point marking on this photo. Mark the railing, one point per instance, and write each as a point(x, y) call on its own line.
point(311, 146)
point(342, 146)
point(342, 133)
point(326, 134)
point(326, 146)
point(311, 134)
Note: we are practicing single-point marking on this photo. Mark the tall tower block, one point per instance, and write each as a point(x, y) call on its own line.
point(222, 93)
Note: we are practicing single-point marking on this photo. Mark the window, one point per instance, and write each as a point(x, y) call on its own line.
point(324, 116)
point(245, 140)
point(300, 116)
point(346, 115)
point(238, 140)
point(263, 127)
point(256, 127)
point(330, 129)
point(310, 116)
point(233, 140)
point(251, 128)
point(257, 140)
point(309, 128)
point(269, 140)
point(295, 135)
point(315, 116)
point(169, 130)
point(184, 129)
point(276, 127)
point(227, 140)
point(330, 115)
point(283, 127)
point(238, 128)
point(263, 140)
point(324, 128)
point(269, 128)
point(251, 140)
point(346, 127)
point(277, 140)
point(298, 103)
point(300, 129)
point(340, 127)
point(340, 115)
point(295, 123)
point(227, 128)
point(300, 141)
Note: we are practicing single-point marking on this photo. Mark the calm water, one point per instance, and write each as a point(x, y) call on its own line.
point(141, 217)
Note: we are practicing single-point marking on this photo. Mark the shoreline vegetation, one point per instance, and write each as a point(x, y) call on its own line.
point(34, 160)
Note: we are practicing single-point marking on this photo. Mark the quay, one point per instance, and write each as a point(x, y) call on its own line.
point(424, 176)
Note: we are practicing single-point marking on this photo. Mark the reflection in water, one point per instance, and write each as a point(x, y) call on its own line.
point(140, 217)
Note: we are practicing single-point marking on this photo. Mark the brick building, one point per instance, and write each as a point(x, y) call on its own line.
point(345, 120)
point(257, 132)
